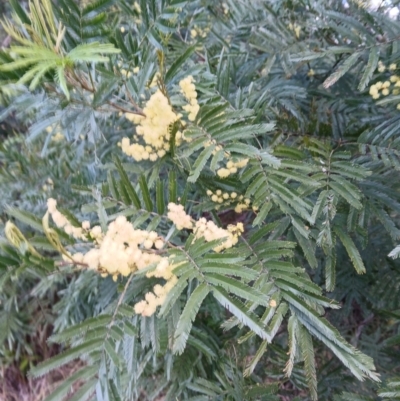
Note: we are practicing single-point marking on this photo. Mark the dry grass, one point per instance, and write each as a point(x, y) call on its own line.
point(14, 386)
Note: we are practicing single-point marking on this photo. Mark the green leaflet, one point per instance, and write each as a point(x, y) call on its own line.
point(258, 355)
point(145, 193)
point(172, 187)
point(175, 293)
point(236, 288)
point(342, 69)
point(20, 11)
point(85, 391)
point(97, 5)
point(200, 163)
point(126, 184)
point(62, 390)
point(237, 309)
point(174, 68)
point(293, 331)
point(307, 351)
point(26, 218)
point(391, 389)
point(114, 391)
point(351, 249)
point(369, 68)
point(330, 270)
point(160, 197)
point(79, 329)
point(348, 196)
point(66, 356)
point(187, 317)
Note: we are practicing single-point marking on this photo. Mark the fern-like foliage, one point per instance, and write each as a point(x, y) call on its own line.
point(285, 141)
point(41, 47)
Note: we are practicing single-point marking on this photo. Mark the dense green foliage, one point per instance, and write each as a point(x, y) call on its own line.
point(306, 305)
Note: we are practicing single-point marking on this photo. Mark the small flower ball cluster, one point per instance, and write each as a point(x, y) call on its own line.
point(208, 230)
point(205, 228)
point(295, 28)
point(123, 250)
point(382, 67)
point(153, 128)
point(62, 222)
point(217, 148)
point(138, 11)
point(57, 136)
point(199, 32)
point(136, 7)
point(156, 298)
point(177, 215)
point(244, 204)
point(49, 185)
point(189, 91)
point(222, 197)
point(384, 87)
point(132, 117)
point(128, 74)
point(232, 167)
point(225, 198)
point(154, 82)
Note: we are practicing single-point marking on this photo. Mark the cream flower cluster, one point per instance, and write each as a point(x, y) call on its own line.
point(128, 74)
point(217, 148)
point(221, 197)
point(189, 91)
point(57, 136)
point(232, 167)
point(295, 28)
point(200, 32)
point(122, 250)
point(154, 82)
point(156, 298)
point(243, 205)
point(154, 128)
point(62, 222)
point(382, 67)
point(203, 228)
point(176, 213)
point(384, 88)
point(208, 230)
point(226, 198)
point(136, 7)
point(49, 185)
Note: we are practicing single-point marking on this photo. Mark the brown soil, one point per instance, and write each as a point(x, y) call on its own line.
point(14, 386)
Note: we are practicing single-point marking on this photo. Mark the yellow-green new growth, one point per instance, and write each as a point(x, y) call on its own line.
point(41, 48)
point(18, 240)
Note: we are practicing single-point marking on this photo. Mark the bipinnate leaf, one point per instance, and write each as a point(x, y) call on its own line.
point(188, 316)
